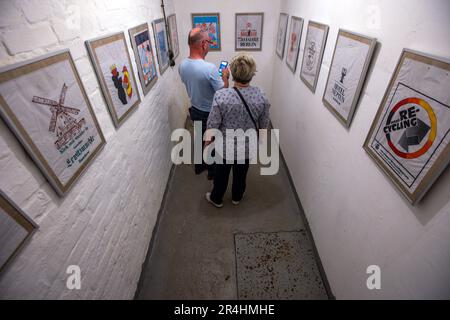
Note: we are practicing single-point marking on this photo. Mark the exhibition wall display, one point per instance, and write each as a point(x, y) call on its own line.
point(173, 30)
point(410, 135)
point(15, 229)
point(44, 103)
point(210, 23)
point(143, 52)
point(281, 35)
point(316, 38)
point(295, 35)
point(112, 64)
point(351, 59)
point(249, 31)
point(162, 47)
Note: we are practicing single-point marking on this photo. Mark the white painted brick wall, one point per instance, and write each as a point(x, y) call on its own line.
point(104, 224)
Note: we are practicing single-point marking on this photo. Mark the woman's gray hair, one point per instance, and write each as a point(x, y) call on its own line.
point(243, 67)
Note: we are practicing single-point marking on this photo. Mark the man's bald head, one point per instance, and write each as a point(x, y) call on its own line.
point(196, 35)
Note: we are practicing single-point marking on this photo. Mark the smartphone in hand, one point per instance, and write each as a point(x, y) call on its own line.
point(223, 65)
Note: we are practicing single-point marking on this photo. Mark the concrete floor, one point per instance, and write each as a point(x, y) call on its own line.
point(193, 253)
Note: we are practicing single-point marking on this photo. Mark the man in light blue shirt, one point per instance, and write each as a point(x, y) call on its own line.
point(202, 80)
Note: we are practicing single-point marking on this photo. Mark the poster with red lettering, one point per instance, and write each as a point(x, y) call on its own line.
point(409, 138)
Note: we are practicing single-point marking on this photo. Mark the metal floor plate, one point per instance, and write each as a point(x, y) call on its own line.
point(278, 265)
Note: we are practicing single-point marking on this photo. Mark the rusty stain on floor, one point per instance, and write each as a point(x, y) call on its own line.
point(277, 265)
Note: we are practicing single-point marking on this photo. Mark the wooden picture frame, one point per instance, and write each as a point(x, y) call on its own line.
point(143, 53)
point(209, 22)
point(281, 35)
point(248, 32)
point(351, 60)
point(173, 30)
point(161, 44)
point(409, 138)
point(316, 39)
point(16, 229)
point(112, 64)
point(295, 38)
point(39, 112)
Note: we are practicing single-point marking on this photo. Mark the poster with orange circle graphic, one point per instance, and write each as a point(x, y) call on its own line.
point(410, 135)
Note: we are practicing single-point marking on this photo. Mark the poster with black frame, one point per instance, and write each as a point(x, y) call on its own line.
point(162, 47)
point(112, 64)
point(281, 35)
point(351, 59)
point(173, 29)
point(44, 103)
point(410, 135)
point(316, 38)
point(16, 229)
point(143, 53)
point(210, 23)
point(249, 31)
point(295, 36)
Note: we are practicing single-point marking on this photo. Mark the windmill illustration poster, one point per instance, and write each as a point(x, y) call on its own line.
point(112, 64)
point(44, 103)
point(316, 38)
point(249, 31)
point(351, 59)
point(410, 135)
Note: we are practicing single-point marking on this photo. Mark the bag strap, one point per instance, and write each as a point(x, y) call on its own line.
point(246, 107)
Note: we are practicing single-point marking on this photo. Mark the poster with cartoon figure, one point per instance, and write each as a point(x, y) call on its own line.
point(44, 103)
point(249, 31)
point(210, 23)
point(111, 61)
point(143, 52)
point(294, 37)
point(351, 59)
point(316, 38)
point(409, 138)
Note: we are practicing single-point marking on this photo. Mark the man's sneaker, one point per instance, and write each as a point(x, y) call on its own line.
point(208, 198)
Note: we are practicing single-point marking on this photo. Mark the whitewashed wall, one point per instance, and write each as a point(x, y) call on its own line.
point(356, 215)
point(227, 10)
point(104, 224)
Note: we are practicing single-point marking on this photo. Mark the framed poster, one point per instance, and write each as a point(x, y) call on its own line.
point(281, 35)
point(295, 35)
point(249, 31)
point(16, 228)
point(44, 103)
point(143, 53)
point(162, 47)
point(410, 136)
point(316, 38)
point(112, 64)
point(173, 29)
point(351, 58)
point(209, 22)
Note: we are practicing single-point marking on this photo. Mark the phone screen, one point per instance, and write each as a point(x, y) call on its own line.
point(223, 65)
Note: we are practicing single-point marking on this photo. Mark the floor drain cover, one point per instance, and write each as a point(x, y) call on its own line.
point(279, 265)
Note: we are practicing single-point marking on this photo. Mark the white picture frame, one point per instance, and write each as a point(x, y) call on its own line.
point(351, 59)
point(409, 138)
point(44, 103)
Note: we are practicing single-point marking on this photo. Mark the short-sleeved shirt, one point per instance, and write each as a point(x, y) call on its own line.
point(229, 112)
point(202, 80)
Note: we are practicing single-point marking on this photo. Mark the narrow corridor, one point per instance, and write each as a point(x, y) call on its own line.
point(259, 249)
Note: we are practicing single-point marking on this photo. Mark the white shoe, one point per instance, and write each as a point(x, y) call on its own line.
point(208, 198)
point(237, 202)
